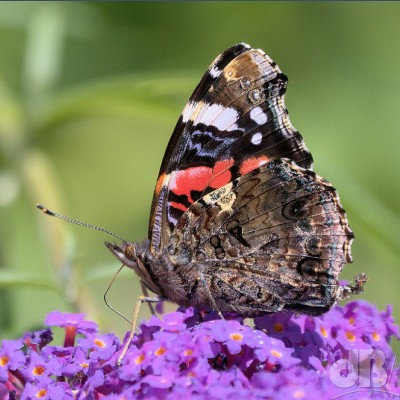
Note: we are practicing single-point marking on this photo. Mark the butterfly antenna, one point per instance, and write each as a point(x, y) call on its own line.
point(80, 223)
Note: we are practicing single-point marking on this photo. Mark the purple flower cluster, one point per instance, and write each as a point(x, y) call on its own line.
point(345, 354)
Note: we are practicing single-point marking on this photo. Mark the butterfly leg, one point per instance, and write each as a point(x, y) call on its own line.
point(209, 294)
point(146, 294)
point(349, 290)
point(139, 301)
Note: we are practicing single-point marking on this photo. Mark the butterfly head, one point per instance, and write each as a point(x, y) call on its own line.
point(135, 256)
point(126, 253)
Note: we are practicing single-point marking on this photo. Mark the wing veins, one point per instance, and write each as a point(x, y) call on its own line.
point(290, 222)
point(278, 206)
point(277, 278)
point(254, 154)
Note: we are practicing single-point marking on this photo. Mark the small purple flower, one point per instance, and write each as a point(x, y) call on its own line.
point(46, 389)
point(174, 321)
point(58, 318)
point(133, 366)
point(229, 333)
point(11, 357)
point(38, 367)
point(191, 353)
point(99, 346)
point(74, 361)
point(72, 323)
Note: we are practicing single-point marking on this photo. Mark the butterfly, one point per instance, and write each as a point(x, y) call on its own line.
point(239, 221)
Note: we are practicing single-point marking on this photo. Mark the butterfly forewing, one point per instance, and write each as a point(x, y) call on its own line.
point(235, 121)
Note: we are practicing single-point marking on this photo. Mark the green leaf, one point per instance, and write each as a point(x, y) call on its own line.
point(10, 279)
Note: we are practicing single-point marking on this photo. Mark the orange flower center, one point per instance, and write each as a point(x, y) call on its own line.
point(236, 336)
point(99, 343)
point(160, 351)
point(41, 393)
point(323, 331)
point(350, 336)
point(376, 336)
point(4, 361)
point(278, 327)
point(188, 352)
point(39, 370)
point(139, 359)
point(276, 353)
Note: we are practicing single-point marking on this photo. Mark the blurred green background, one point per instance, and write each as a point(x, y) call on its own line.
point(90, 93)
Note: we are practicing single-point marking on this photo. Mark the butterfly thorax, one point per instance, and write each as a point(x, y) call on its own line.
point(177, 283)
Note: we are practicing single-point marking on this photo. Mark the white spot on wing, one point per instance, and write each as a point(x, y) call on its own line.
point(188, 111)
point(256, 138)
point(258, 115)
point(214, 72)
point(223, 118)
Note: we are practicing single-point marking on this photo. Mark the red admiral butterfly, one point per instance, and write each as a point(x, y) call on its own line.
point(239, 221)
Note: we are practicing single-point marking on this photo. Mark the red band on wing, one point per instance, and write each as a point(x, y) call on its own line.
point(199, 178)
point(195, 178)
point(252, 163)
point(222, 174)
point(178, 206)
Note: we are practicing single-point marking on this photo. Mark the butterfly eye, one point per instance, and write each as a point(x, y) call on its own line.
point(130, 251)
point(126, 254)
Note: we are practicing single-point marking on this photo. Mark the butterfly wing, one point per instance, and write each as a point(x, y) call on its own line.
point(275, 238)
point(235, 121)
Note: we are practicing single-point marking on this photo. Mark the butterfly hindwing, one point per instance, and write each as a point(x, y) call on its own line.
point(278, 232)
point(235, 121)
